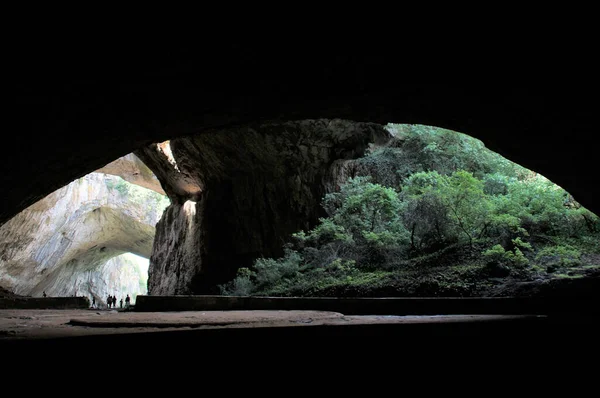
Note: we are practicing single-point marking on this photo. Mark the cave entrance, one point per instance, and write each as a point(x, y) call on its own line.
point(339, 208)
point(91, 238)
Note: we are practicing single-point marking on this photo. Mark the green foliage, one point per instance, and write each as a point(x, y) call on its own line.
point(518, 243)
point(504, 227)
point(416, 220)
point(343, 267)
point(425, 215)
point(497, 254)
point(118, 184)
point(427, 148)
point(241, 285)
point(147, 200)
point(516, 257)
point(586, 243)
point(367, 212)
point(497, 184)
point(386, 166)
point(325, 232)
point(468, 207)
point(422, 182)
point(443, 207)
point(580, 222)
point(537, 203)
point(270, 271)
point(266, 272)
point(559, 256)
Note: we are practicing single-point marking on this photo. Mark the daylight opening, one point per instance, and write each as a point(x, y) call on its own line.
point(91, 238)
point(165, 148)
point(432, 212)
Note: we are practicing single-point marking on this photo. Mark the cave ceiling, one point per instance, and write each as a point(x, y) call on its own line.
point(78, 109)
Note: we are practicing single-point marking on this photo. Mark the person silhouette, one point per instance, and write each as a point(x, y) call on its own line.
point(44, 293)
point(127, 301)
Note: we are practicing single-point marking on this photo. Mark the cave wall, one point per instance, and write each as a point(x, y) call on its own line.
point(259, 184)
point(177, 256)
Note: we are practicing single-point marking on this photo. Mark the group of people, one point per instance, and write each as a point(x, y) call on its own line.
point(111, 301)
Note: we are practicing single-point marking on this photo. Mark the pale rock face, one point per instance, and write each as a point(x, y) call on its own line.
point(72, 241)
point(125, 274)
point(133, 170)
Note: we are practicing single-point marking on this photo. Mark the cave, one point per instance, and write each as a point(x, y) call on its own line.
point(70, 124)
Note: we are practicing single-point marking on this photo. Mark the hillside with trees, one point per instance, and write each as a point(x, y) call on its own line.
point(435, 213)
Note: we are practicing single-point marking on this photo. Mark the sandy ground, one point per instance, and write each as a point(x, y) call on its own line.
point(41, 324)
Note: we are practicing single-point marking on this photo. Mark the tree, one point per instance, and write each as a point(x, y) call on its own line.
point(426, 215)
point(443, 206)
point(368, 212)
point(467, 204)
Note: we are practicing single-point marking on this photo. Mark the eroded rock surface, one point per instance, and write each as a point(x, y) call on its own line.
point(251, 188)
point(133, 170)
point(72, 242)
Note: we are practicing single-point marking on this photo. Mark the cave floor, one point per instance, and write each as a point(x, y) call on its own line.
point(32, 324)
point(218, 339)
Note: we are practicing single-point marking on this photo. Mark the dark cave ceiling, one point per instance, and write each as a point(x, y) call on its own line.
point(77, 110)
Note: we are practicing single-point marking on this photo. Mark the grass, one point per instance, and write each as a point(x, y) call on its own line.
point(566, 276)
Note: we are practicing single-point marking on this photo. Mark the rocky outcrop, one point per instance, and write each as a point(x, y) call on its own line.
point(180, 247)
point(179, 184)
point(253, 186)
point(74, 241)
point(133, 170)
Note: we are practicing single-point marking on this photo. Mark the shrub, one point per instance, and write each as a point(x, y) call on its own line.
point(271, 271)
point(241, 285)
point(497, 254)
point(559, 256)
